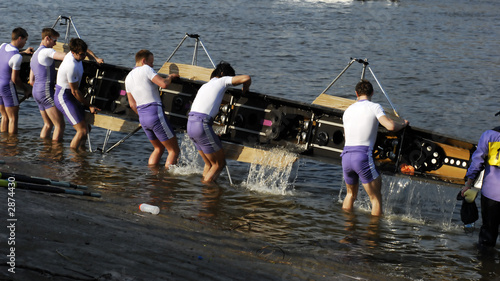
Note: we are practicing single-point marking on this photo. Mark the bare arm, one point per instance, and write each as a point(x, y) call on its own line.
point(392, 125)
point(59, 56)
point(246, 80)
point(132, 102)
point(79, 96)
point(32, 78)
point(91, 54)
point(164, 82)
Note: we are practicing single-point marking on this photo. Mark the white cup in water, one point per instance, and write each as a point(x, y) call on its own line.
point(149, 208)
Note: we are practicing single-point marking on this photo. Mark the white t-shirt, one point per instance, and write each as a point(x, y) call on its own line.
point(70, 71)
point(361, 123)
point(209, 96)
point(139, 84)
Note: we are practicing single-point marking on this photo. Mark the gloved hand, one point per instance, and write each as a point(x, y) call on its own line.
point(471, 194)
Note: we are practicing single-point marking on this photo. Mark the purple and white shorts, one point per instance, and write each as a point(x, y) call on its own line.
point(357, 163)
point(199, 129)
point(154, 122)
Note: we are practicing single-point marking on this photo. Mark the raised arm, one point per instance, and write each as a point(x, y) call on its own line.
point(97, 59)
point(246, 80)
point(393, 125)
point(164, 82)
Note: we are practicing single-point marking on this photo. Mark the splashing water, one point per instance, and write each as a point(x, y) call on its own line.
point(188, 162)
point(413, 201)
point(272, 173)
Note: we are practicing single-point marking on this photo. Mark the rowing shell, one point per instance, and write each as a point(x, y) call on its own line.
point(261, 122)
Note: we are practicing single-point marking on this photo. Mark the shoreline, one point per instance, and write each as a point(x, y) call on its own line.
point(65, 237)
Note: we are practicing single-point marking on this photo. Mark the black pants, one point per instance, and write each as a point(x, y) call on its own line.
point(490, 212)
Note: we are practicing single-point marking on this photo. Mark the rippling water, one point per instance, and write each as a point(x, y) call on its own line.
point(437, 60)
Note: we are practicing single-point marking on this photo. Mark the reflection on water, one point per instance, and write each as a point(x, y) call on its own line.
point(9, 144)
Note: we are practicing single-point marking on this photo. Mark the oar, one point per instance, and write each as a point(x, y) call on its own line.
point(46, 188)
point(229, 176)
point(37, 180)
point(125, 138)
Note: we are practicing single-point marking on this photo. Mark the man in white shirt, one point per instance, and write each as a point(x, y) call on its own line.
point(68, 97)
point(141, 86)
point(361, 122)
point(203, 111)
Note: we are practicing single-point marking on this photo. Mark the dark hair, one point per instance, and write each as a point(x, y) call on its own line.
point(19, 32)
point(49, 32)
point(142, 54)
point(77, 45)
point(364, 88)
point(223, 69)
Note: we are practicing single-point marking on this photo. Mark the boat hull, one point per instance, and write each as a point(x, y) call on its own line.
point(310, 130)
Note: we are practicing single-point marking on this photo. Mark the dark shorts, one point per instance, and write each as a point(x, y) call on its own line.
point(199, 129)
point(357, 163)
point(154, 122)
point(69, 106)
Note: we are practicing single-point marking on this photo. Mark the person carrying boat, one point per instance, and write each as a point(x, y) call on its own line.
point(10, 79)
point(203, 111)
point(68, 97)
point(486, 157)
point(43, 79)
point(361, 121)
point(141, 85)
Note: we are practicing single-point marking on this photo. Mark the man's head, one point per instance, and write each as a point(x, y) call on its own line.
point(364, 88)
point(223, 69)
point(19, 37)
point(49, 37)
point(79, 48)
point(144, 57)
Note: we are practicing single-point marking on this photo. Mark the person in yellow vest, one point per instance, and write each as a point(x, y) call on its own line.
point(487, 157)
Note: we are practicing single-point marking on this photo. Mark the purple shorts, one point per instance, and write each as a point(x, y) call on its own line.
point(44, 98)
point(69, 106)
point(357, 163)
point(199, 129)
point(154, 122)
point(8, 96)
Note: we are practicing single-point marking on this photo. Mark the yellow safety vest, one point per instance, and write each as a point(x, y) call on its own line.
point(494, 153)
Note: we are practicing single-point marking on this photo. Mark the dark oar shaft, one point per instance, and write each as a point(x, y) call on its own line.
point(37, 180)
point(47, 188)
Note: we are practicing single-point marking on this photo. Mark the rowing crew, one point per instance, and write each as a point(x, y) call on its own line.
point(58, 94)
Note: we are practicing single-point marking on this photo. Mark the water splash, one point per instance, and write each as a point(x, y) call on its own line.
point(413, 201)
point(189, 161)
point(271, 176)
